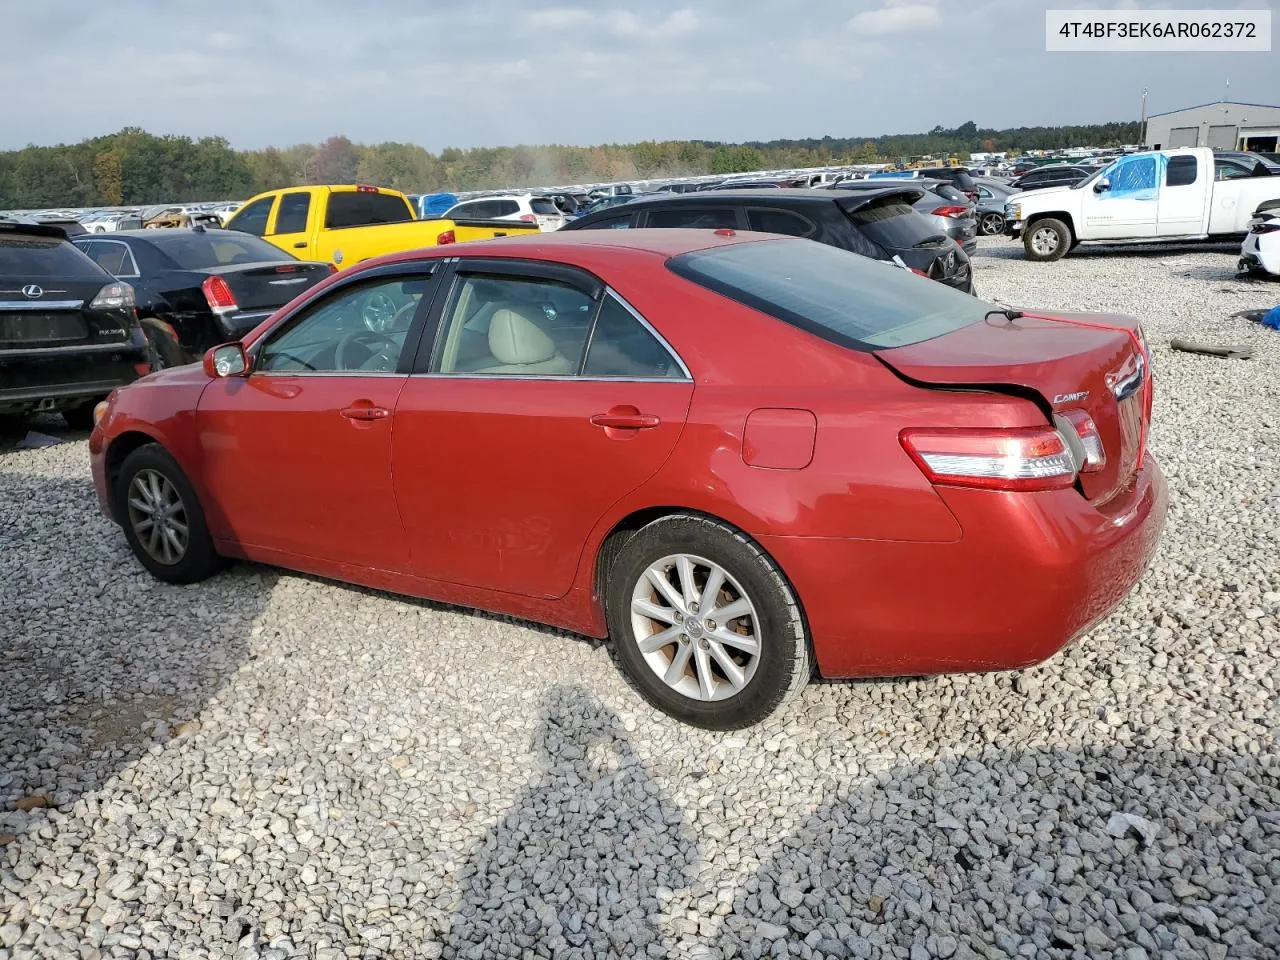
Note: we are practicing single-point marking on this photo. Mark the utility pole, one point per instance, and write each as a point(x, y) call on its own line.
point(1142, 124)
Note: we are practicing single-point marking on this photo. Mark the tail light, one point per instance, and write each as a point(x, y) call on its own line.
point(446, 237)
point(528, 218)
point(114, 296)
point(951, 210)
point(1263, 226)
point(1016, 458)
point(333, 268)
point(219, 296)
point(1095, 457)
point(919, 273)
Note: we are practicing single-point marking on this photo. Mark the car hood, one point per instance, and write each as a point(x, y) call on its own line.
point(190, 373)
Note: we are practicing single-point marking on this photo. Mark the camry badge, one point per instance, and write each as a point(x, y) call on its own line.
point(1070, 397)
point(32, 292)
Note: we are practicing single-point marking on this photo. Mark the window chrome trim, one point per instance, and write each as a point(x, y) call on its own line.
point(136, 275)
point(684, 368)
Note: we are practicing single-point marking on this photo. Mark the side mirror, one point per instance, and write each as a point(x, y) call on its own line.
point(228, 360)
point(1102, 185)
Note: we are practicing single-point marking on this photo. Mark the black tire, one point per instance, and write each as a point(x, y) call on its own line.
point(199, 560)
point(783, 664)
point(1037, 242)
point(80, 417)
point(991, 224)
point(165, 349)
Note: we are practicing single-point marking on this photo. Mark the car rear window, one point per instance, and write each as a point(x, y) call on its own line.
point(894, 224)
point(544, 206)
point(360, 208)
point(837, 295)
point(36, 258)
point(217, 248)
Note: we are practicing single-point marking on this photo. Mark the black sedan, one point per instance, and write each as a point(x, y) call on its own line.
point(198, 287)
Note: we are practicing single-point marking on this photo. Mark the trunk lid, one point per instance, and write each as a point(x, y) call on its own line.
point(58, 315)
point(271, 284)
point(1071, 361)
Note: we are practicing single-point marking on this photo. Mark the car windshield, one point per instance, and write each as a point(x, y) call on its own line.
point(38, 258)
point(837, 295)
point(216, 248)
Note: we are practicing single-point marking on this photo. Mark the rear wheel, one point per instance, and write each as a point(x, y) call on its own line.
point(704, 624)
point(165, 349)
point(991, 224)
point(162, 518)
point(1046, 240)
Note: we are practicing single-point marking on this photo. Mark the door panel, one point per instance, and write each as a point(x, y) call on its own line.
point(500, 480)
point(1184, 197)
point(292, 222)
point(290, 472)
point(1129, 208)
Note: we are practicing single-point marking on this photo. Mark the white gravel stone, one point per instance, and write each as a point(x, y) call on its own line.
point(269, 765)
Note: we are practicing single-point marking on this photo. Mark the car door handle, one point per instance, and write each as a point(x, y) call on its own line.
point(300, 245)
point(365, 411)
point(626, 421)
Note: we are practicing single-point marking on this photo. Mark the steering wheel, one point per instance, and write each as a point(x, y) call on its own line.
point(362, 337)
point(380, 312)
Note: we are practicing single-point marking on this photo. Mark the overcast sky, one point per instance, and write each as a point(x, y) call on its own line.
point(492, 72)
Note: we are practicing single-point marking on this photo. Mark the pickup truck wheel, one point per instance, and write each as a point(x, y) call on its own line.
point(1046, 240)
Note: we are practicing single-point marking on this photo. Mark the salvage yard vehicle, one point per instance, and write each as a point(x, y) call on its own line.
point(69, 334)
point(345, 225)
point(948, 209)
point(734, 455)
point(1157, 196)
point(197, 288)
point(524, 207)
point(1260, 252)
point(875, 220)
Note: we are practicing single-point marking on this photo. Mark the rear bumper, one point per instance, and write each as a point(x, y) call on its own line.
point(54, 379)
point(1030, 574)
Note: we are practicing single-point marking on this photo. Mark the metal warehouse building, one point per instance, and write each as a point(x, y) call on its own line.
point(1227, 126)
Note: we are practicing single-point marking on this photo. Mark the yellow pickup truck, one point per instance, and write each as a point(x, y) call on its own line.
point(346, 224)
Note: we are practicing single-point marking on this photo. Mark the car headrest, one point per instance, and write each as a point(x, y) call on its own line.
point(515, 337)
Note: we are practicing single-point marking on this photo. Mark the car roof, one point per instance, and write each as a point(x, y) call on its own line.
point(31, 229)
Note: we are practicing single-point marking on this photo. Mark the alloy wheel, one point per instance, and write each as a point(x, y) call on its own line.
point(992, 224)
point(1044, 241)
point(695, 627)
point(158, 517)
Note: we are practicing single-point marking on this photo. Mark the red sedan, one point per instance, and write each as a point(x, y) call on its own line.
point(741, 457)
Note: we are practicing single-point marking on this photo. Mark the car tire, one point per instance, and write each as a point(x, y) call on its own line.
point(1046, 240)
point(991, 224)
point(151, 478)
point(80, 417)
point(165, 349)
point(716, 685)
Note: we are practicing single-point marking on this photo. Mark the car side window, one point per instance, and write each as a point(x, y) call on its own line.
point(113, 257)
point(621, 346)
point(506, 208)
point(1180, 172)
point(476, 210)
point(292, 215)
point(620, 222)
point(708, 218)
point(780, 221)
point(358, 329)
point(500, 325)
point(1226, 170)
point(253, 218)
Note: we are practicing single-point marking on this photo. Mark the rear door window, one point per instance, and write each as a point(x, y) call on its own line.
point(709, 218)
point(292, 215)
point(361, 208)
point(506, 208)
point(780, 221)
point(832, 293)
point(620, 222)
point(621, 346)
point(114, 257)
point(1180, 172)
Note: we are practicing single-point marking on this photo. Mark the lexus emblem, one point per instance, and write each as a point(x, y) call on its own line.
point(32, 292)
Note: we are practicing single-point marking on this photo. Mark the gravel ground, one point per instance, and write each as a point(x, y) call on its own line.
point(269, 765)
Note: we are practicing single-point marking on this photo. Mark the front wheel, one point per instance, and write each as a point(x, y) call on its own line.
point(162, 518)
point(1046, 240)
point(704, 623)
point(992, 224)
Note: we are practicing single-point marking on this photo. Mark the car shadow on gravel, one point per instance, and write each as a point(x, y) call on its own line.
point(577, 866)
point(1019, 852)
point(100, 660)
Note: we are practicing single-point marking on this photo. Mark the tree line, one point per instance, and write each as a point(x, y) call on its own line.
point(135, 167)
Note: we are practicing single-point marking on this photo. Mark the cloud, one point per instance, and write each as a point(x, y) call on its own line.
point(559, 18)
point(896, 18)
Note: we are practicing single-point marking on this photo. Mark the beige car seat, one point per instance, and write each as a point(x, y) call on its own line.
point(520, 345)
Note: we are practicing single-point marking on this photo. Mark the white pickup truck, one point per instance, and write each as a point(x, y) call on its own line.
point(1164, 195)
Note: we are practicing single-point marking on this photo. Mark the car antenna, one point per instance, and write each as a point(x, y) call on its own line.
point(1008, 313)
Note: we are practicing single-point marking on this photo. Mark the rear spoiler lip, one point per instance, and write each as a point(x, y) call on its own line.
point(855, 200)
point(32, 229)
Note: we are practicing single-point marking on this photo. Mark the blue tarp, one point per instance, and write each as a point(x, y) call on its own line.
point(1137, 177)
point(432, 205)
